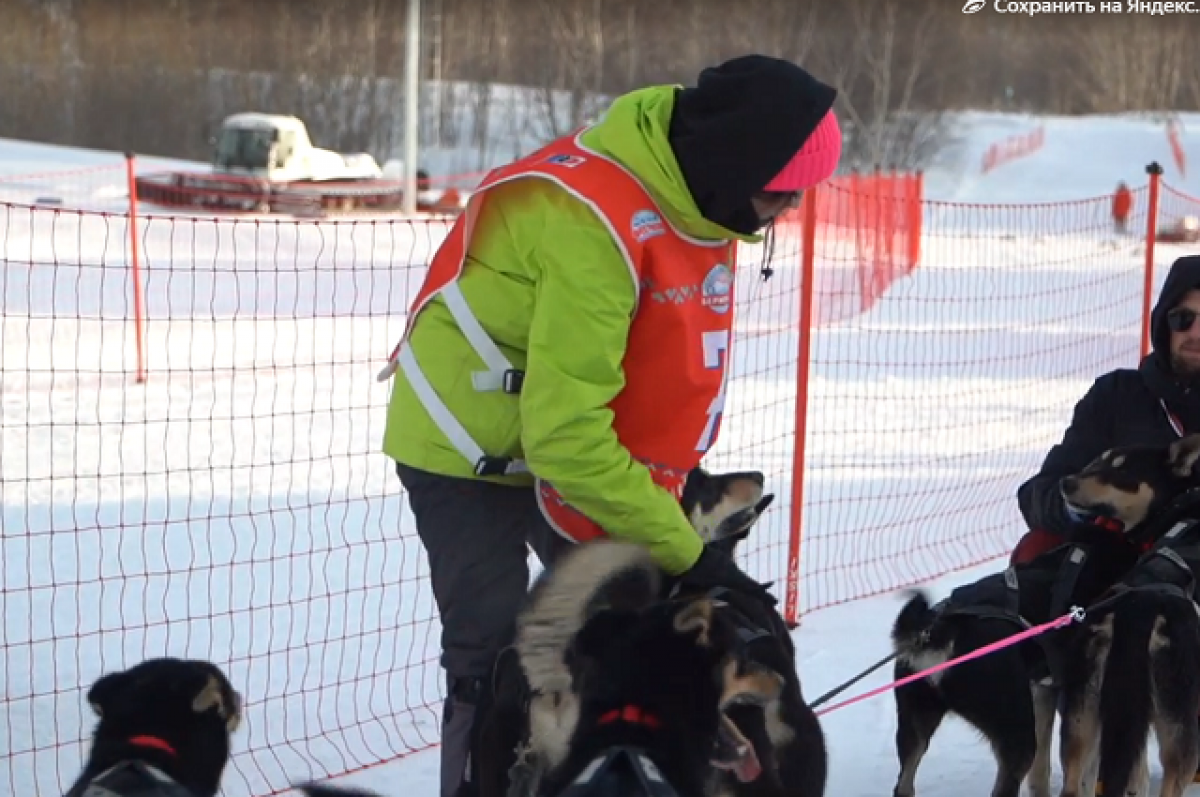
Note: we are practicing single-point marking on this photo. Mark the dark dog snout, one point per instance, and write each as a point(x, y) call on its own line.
point(1070, 484)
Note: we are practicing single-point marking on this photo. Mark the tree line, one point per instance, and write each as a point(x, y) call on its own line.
point(157, 76)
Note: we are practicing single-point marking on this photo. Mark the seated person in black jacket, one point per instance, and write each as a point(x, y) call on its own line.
point(1154, 405)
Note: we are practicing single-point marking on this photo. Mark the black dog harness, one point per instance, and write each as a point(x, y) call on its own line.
point(1170, 565)
point(130, 779)
point(747, 630)
point(997, 597)
point(1169, 561)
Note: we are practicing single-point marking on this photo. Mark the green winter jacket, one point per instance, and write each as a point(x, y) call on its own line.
point(546, 280)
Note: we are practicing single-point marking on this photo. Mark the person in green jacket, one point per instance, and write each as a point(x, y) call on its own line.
point(547, 282)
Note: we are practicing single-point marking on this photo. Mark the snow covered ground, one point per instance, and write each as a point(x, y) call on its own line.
point(235, 506)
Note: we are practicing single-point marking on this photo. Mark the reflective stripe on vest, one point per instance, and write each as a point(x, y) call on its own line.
point(500, 374)
point(668, 414)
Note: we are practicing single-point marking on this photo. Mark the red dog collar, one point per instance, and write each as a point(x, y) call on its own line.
point(633, 715)
point(152, 741)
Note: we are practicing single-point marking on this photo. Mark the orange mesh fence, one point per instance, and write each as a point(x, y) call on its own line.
point(236, 507)
point(876, 216)
point(1014, 147)
point(925, 414)
point(873, 218)
point(1178, 153)
point(1178, 217)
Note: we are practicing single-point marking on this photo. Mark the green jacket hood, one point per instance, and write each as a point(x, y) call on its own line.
point(633, 132)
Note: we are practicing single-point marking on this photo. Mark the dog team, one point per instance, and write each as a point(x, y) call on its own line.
point(622, 681)
point(561, 376)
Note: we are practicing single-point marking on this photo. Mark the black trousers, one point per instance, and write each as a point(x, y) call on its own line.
point(475, 534)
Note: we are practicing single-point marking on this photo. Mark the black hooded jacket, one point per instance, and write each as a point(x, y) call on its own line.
point(738, 127)
point(1121, 408)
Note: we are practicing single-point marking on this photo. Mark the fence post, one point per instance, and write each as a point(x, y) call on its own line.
point(139, 289)
point(791, 611)
point(1155, 171)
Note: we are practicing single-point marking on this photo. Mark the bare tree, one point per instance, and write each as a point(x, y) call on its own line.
point(123, 76)
point(570, 94)
point(1133, 62)
point(880, 58)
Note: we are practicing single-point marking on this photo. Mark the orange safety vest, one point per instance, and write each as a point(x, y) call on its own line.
point(676, 362)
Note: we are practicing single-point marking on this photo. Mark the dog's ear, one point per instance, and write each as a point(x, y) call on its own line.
point(696, 618)
point(103, 694)
point(212, 696)
point(1183, 456)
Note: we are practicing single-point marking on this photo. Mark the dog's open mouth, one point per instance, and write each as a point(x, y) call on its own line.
point(735, 753)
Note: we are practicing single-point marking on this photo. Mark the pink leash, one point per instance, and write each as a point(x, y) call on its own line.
point(1073, 616)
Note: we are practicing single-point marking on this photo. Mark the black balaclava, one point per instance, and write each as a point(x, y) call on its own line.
point(738, 127)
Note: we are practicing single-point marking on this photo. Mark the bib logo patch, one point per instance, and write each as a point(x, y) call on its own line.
point(716, 292)
point(646, 224)
point(569, 161)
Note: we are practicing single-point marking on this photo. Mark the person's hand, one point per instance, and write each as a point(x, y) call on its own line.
point(716, 569)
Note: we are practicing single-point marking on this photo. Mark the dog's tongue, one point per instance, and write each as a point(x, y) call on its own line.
point(737, 753)
point(747, 768)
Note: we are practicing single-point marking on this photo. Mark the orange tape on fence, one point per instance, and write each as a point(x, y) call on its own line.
point(1177, 151)
point(1013, 148)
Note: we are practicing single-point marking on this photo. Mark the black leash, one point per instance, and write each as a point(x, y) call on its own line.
point(1182, 502)
point(837, 690)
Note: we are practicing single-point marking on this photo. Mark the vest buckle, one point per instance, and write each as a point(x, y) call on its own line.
point(513, 381)
point(492, 466)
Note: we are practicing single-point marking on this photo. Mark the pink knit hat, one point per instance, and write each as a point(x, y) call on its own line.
point(816, 161)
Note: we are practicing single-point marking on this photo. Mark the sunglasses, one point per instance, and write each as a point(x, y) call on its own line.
point(1181, 319)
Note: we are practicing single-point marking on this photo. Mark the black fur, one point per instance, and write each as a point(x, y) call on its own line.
point(187, 704)
point(640, 659)
point(797, 769)
point(798, 766)
point(994, 693)
point(1005, 694)
point(317, 790)
point(1139, 655)
point(1133, 665)
point(669, 660)
point(991, 693)
point(1139, 486)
